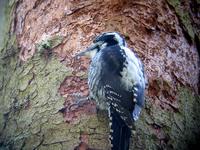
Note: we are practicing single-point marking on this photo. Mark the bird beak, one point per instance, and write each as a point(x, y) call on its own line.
point(89, 52)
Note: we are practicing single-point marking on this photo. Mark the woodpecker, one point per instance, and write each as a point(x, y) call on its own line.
point(117, 83)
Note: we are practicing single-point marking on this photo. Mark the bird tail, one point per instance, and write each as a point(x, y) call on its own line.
point(120, 133)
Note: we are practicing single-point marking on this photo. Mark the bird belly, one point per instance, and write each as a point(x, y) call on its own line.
point(95, 85)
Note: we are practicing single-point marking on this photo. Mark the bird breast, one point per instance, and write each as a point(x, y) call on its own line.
point(94, 81)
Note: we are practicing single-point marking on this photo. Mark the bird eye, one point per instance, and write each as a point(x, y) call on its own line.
point(98, 47)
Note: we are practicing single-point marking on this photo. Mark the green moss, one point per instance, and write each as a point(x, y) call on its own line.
point(186, 20)
point(31, 99)
point(184, 16)
point(24, 82)
point(49, 43)
point(6, 9)
point(180, 128)
point(185, 128)
point(174, 3)
point(3, 23)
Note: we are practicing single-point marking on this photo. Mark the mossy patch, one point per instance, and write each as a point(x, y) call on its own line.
point(160, 128)
point(184, 16)
point(185, 128)
point(49, 43)
point(30, 90)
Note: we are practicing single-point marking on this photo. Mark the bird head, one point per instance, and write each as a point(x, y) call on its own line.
point(102, 41)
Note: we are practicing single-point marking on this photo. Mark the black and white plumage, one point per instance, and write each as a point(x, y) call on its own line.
point(117, 82)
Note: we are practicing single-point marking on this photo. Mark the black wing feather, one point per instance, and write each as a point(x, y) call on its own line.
point(120, 135)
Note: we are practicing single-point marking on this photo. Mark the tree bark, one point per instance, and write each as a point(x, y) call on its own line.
point(43, 89)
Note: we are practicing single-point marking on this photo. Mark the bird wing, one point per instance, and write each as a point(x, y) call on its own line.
point(133, 77)
point(116, 101)
point(120, 133)
point(121, 121)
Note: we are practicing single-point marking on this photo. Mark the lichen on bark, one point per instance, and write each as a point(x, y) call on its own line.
point(41, 95)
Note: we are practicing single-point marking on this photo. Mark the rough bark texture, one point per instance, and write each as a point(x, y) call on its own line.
point(43, 89)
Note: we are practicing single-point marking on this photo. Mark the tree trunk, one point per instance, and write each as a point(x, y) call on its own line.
point(43, 89)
